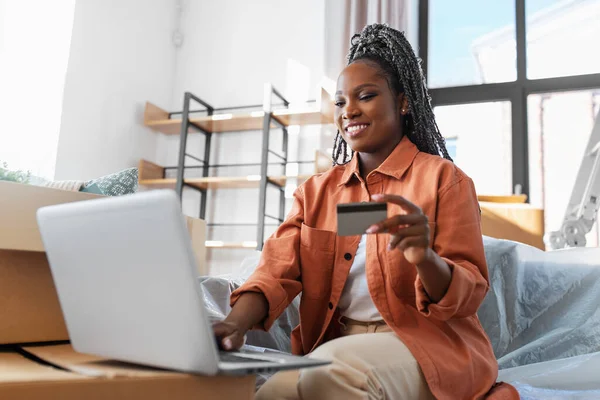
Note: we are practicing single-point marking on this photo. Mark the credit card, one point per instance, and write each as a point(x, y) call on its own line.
point(355, 218)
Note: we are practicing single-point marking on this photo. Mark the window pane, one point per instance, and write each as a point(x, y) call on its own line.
point(451, 147)
point(471, 42)
point(481, 137)
point(562, 37)
point(560, 125)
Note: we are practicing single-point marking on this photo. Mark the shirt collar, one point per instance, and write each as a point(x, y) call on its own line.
point(395, 165)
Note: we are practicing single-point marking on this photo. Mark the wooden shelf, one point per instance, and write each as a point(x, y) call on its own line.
point(219, 182)
point(158, 119)
point(151, 175)
point(306, 117)
point(216, 244)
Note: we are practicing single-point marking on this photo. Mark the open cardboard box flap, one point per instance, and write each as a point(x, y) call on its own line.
point(19, 229)
point(18, 207)
point(15, 368)
point(58, 372)
point(64, 356)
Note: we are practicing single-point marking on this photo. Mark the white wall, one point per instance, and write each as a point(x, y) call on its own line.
point(121, 56)
point(231, 48)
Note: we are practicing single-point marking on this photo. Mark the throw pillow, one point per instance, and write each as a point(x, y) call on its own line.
point(91, 188)
point(117, 184)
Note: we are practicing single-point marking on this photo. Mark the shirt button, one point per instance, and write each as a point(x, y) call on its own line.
point(330, 305)
point(348, 256)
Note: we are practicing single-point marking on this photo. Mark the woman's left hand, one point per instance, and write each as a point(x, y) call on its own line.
point(408, 232)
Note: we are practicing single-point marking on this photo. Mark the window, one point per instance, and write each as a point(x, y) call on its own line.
point(562, 38)
point(560, 125)
point(451, 146)
point(515, 89)
point(35, 37)
point(481, 135)
point(467, 36)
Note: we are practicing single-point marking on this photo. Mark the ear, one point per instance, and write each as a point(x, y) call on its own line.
point(402, 104)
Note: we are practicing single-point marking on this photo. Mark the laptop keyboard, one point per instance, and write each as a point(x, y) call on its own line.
point(228, 357)
point(254, 358)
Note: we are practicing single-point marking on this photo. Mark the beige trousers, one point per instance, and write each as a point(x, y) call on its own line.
point(368, 362)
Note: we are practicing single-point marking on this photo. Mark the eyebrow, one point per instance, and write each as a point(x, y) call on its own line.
point(359, 87)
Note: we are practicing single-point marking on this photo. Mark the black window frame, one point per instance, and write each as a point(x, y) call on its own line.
point(516, 92)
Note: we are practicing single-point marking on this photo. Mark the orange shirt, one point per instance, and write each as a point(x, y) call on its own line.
point(306, 255)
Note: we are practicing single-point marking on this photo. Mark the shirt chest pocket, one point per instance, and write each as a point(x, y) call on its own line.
point(317, 253)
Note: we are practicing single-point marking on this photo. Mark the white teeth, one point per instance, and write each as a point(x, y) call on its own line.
point(355, 128)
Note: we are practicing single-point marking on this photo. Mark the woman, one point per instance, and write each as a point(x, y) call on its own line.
point(394, 309)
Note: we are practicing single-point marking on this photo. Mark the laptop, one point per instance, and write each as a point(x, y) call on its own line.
point(127, 283)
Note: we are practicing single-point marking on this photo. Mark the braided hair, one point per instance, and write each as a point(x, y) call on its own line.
point(390, 51)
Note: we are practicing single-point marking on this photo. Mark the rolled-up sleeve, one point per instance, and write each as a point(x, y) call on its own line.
point(278, 272)
point(459, 242)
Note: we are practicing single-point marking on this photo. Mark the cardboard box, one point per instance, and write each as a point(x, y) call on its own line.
point(58, 372)
point(197, 230)
point(30, 310)
point(513, 221)
point(18, 205)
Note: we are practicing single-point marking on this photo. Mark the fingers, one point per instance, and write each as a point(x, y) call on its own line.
point(228, 335)
point(393, 224)
point(414, 231)
point(414, 242)
point(398, 200)
point(221, 329)
point(414, 214)
point(233, 342)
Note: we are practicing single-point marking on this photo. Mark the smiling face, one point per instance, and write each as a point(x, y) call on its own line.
point(367, 113)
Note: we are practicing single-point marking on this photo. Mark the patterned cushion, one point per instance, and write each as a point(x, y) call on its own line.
point(91, 188)
point(117, 184)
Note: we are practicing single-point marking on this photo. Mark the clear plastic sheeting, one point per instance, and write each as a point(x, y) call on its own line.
point(542, 315)
point(542, 306)
point(217, 291)
point(247, 267)
point(571, 378)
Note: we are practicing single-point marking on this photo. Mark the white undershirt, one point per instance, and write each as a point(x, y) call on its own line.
point(356, 302)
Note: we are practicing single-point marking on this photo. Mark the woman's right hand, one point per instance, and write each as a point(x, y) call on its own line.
point(250, 309)
point(230, 336)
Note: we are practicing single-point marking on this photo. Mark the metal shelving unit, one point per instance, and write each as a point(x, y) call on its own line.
point(214, 120)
